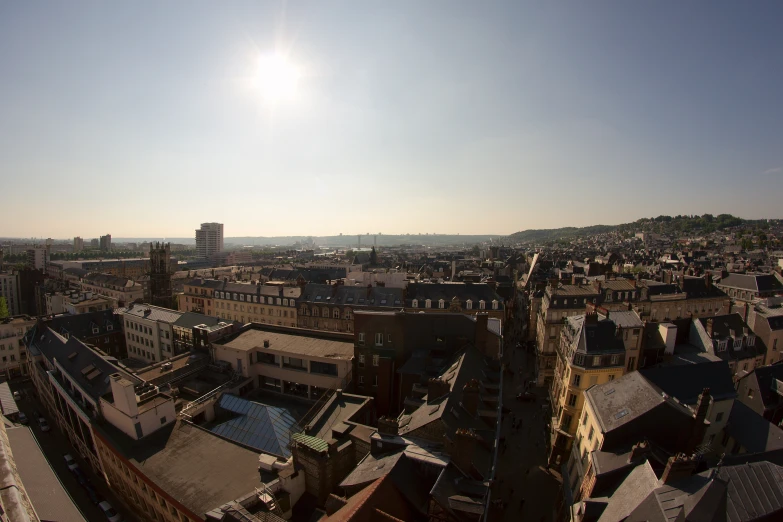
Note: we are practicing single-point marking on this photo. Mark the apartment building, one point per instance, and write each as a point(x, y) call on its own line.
point(288, 361)
point(209, 240)
point(124, 290)
point(684, 297)
point(558, 302)
point(750, 287)
point(243, 302)
point(105, 242)
point(78, 244)
point(100, 329)
point(331, 307)
point(13, 353)
point(38, 258)
point(729, 338)
point(149, 331)
point(9, 289)
point(593, 350)
point(76, 302)
point(765, 318)
point(466, 298)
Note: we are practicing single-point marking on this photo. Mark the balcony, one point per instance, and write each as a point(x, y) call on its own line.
point(295, 367)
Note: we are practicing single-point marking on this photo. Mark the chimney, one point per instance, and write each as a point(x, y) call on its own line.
point(702, 406)
point(470, 396)
point(335, 287)
point(678, 467)
point(639, 450)
point(388, 426)
point(708, 280)
point(465, 441)
point(591, 318)
point(708, 327)
point(124, 395)
point(453, 270)
point(437, 388)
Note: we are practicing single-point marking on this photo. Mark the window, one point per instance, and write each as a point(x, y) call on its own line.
point(596, 360)
point(361, 380)
point(719, 416)
point(415, 303)
point(336, 313)
point(315, 314)
point(388, 338)
point(775, 344)
point(162, 421)
point(751, 340)
point(235, 297)
point(616, 358)
point(577, 380)
point(427, 303)
point(361, 361)
point(379, 339)
point(750, 390)
point(571, 400)
point(375, 380)
point(565, 423)
point(584, 419)
point(611, 377)
point(469, 304)
point(375, 360)
point(590, 435)
point(242, 297)
point(361, 337)
point(579, 359)
point(631, 363)
point(483, 305)
point(494, 304)
point(441, 303)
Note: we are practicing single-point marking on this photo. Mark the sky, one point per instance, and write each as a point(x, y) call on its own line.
point(145, 119)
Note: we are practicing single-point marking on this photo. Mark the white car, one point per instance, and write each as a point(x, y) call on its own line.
point(72, 465)
point(110, 512)
point(43, 424)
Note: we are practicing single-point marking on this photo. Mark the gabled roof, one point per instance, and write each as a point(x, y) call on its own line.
point(464, 292)
point(84, 326)
point(753, 282)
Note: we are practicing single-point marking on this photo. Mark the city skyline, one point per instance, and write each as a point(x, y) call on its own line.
point(460, 118)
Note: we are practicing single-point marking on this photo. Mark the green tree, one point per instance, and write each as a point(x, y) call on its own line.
point(3, 308)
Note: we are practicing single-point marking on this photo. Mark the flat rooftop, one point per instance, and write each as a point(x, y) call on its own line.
point(199, 469)
point(336, 410)
point(293, 343)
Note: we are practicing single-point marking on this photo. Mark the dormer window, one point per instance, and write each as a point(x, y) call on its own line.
point(441, 303)
point(415, 303)
point(235, 297)
point(469, 304)
point(95, 330)
point(751, 340)
point(722, 345)
point(738, 343)
point(241, 297)
point(482, 305)
point(494, 304)
point(427, 303)
point(109, 328)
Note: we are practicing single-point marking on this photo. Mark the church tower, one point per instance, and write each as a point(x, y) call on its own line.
point(160, 275)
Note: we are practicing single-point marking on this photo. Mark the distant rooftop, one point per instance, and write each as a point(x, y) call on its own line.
point(306, 343)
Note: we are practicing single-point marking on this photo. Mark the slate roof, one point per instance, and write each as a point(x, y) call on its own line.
point(753, 282)
point(151, 313)
point(88, 369)
point(83, 325)
point(192, 319)
point(634, 489)
point(353, 296)
point(766, 377)
point(474, 292)
point(755, 433)
point(686, 382)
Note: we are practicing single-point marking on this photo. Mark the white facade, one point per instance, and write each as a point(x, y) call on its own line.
point(9, 288)
point(209, 240)
point(38, 257)
point(149, 336)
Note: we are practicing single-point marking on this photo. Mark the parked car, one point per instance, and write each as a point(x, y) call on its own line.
point(43, 424)
point(17, 396)
point(526, 397)
point(70, 462)
point(110, 512)
point(80, 476)
point(22, 418)
point(94, 497)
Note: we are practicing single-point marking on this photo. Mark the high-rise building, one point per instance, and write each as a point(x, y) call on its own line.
point(160, 275)
point(38, 257)
point(106, 242)
point(9, 288)
point(94, 243)
point(209, 239)
point(78, 244)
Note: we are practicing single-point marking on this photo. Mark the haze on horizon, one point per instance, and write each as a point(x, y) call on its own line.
point(306, 118)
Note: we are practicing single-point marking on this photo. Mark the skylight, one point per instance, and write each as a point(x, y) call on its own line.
point(620, 414)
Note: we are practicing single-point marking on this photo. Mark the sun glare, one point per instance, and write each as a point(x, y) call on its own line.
point(277, 78)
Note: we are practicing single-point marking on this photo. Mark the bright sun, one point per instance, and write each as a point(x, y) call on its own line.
point(277, 78)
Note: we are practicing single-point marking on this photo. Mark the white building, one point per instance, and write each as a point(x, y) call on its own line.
point(209, 240)
point(9, 288)
point(149, 331)
point(12, 350)
point(38, 257)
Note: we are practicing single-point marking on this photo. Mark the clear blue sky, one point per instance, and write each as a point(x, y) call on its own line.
point(143, 119)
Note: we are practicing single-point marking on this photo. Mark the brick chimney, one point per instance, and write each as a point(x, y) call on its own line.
point(702, 405)
point(388, 426)
point(708, 280)
point(708, 327)
point(437, 388)
point(470, 396)
point(678, 467)
point(591, 318)
point(465, 441)
point(639, 450)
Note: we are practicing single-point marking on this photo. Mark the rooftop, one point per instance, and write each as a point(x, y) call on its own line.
point(151, 313)
point(620, 401)
point(293, 342)
point(686, 382)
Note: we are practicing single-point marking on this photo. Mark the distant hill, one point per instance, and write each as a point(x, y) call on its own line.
point(666, 225)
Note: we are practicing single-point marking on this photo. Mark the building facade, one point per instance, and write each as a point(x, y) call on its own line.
point(149, 331)
point(9, 289)
point(331, 307)
point(209, 240)
point(160, 275)
point(38, 258)
point(243, 302)
point(105, 243)
point(124, 290)
point(78, 244)
point(13, 353)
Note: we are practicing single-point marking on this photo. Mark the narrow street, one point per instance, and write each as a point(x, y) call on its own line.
point(54, 445)
point(524, 486)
